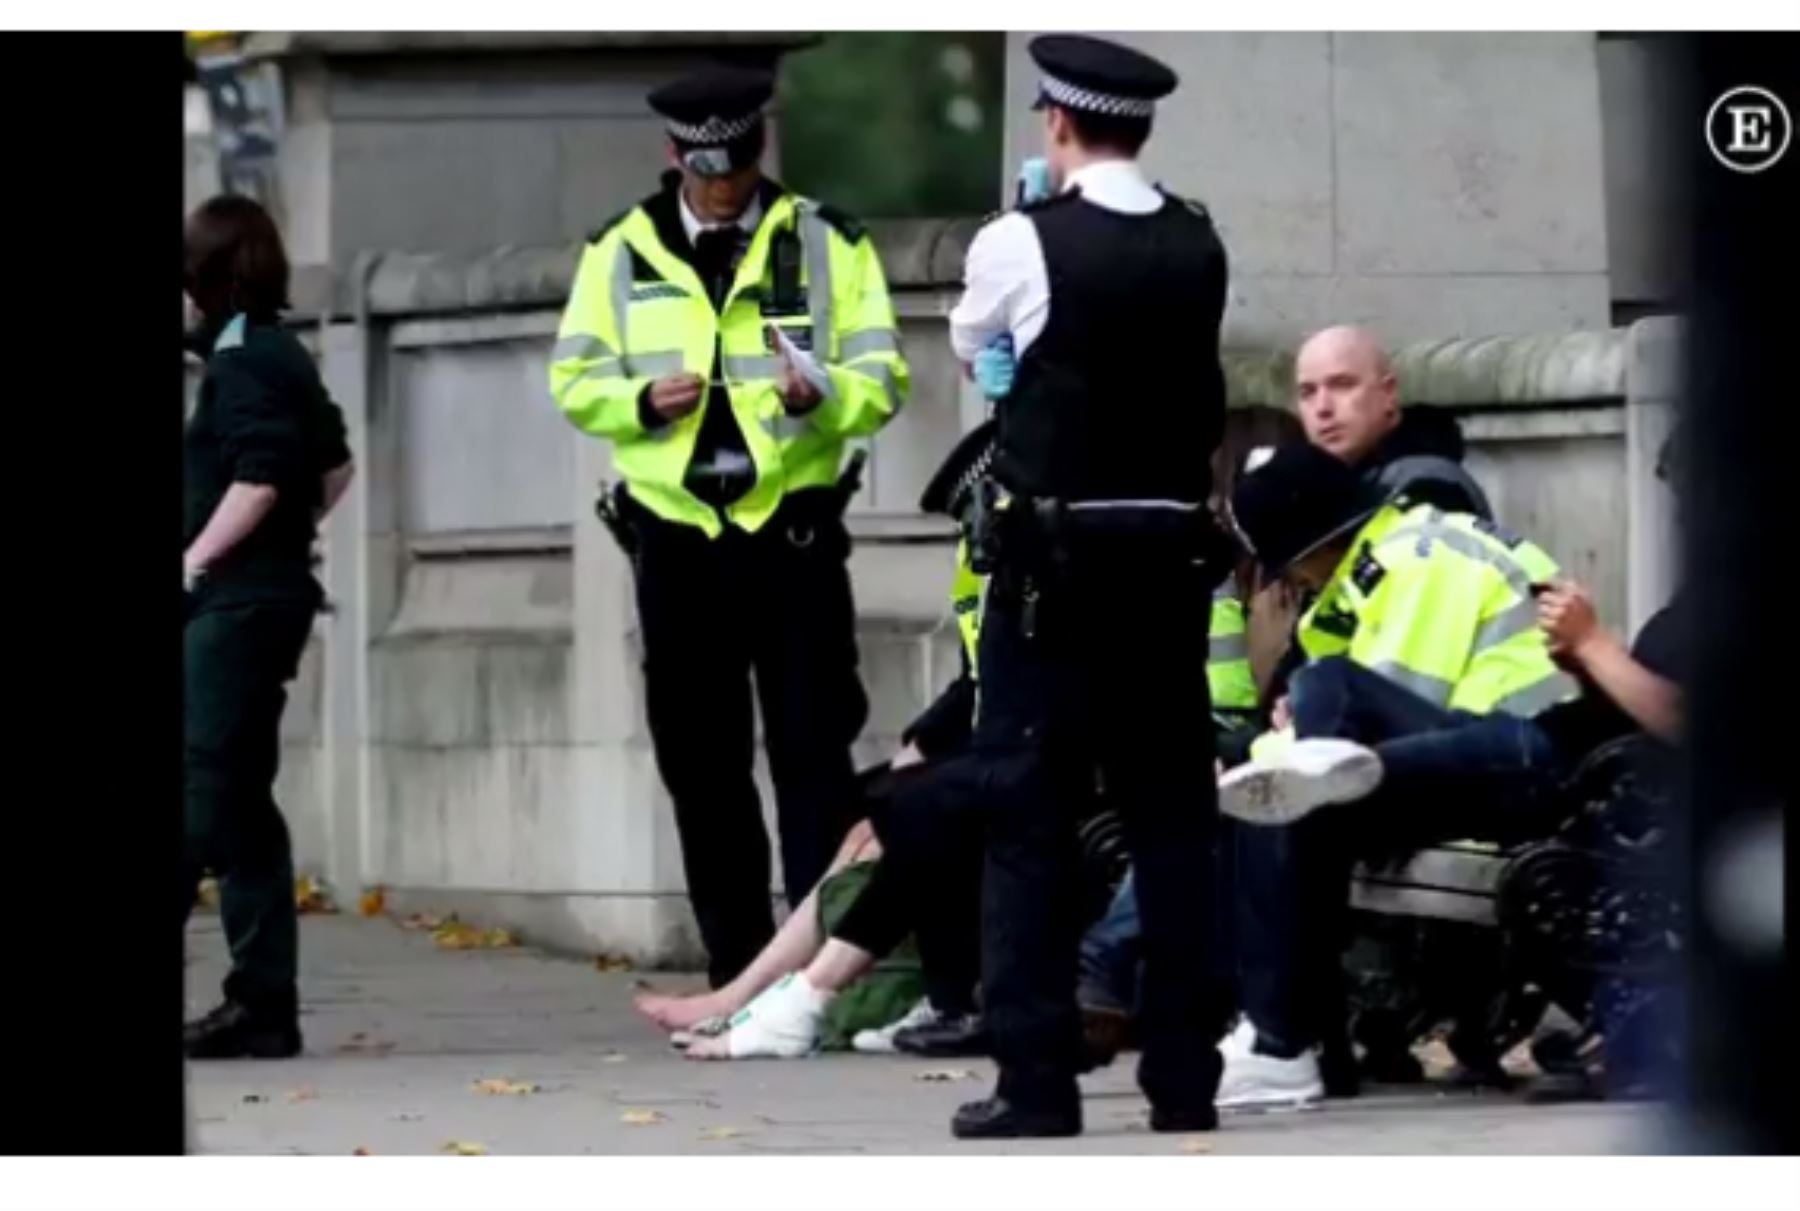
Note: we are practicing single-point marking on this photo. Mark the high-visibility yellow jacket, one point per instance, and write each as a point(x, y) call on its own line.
point(1228, 676)
point(639, 312)
point(1441, 603)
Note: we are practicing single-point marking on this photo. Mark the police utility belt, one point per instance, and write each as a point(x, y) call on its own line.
point(1036, 535)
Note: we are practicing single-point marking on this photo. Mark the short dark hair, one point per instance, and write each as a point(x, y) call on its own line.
point(234, 259)
point(1109, 131)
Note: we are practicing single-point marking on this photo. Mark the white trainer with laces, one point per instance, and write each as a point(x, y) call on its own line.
point(1306, 776)
point(880, 1041)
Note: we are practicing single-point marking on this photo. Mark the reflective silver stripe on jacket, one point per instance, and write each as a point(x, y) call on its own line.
point(815, 235)
point(868, 341)
point(584, 345)
point(1223, 648)
point(1434, 690)
point(1539, 696)
point(621, 302)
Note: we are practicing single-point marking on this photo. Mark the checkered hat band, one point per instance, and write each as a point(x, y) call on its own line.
point(1073, 96)
point(714, 131)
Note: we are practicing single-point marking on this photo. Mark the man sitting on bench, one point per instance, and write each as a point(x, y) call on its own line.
point(1425, 664)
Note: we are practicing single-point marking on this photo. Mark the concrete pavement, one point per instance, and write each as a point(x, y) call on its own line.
point(398, 1031)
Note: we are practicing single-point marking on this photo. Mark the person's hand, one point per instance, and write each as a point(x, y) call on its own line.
point(1281, 715)
point(908, 755)
point(994, 366)
point(1274, 611)
point(798, 395)
point(675, 395)
point(1566, 613)
point(1033, 183)
point(191, 572)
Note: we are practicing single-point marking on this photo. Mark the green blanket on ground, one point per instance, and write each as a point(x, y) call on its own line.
point(890, 988)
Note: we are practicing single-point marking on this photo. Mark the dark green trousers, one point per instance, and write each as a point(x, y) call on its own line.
point(237, 663)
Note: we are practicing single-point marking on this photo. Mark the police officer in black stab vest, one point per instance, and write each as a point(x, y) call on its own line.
point(1094, 644)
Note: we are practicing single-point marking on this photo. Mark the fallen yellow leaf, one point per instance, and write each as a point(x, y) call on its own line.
point(463, 1148)
point(458, 935)
point(422, 921)
point(304, 1094)
point(310, 895)
point(1196, 1145)
point(641, 1118)
point(612, 963)
point(208, 894)
point(720, 1133)
point(501, 1087)
point(362, 1152)
point(945, 1074)
point(372, 903)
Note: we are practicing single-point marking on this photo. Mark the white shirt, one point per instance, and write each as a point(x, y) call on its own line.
point(1006, 286)
point(694, 225)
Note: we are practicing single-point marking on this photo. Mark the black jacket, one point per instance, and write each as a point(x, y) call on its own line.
point(263, 417)
point(1422, 459)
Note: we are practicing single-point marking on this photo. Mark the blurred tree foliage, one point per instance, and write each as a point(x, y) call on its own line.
point(895, 125)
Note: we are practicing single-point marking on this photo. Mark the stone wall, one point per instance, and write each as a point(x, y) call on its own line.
point(1429, 184)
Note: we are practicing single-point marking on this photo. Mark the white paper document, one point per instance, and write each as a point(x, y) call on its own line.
point(803, 362)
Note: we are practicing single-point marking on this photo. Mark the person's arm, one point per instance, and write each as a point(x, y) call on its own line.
point(240, 511)
point(331, 490)
point(588, 367)
point(1566, 613)
point(1005, 288)
point(263, 445)
point(947, 724)
point(869, 378)
point(1274, 610)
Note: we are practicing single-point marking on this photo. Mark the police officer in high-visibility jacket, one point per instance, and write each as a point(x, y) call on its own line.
point(728, 336)
point(1425, 668)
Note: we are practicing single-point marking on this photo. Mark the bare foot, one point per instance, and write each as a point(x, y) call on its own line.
point(679, 1013)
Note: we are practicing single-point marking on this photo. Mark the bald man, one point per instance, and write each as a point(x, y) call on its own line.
point(1349, 403)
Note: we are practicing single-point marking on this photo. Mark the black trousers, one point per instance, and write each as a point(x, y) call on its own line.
point(236, 663)
point(1085, 683)
point(929, 879)
point(714, 612)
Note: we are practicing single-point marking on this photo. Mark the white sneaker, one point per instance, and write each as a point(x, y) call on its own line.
point(1307, 775)
point(1263, 1080)
point(1241, 1039)
point(880, 1041)
point(782, 1023)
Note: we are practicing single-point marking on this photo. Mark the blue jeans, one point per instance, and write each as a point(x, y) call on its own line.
point(1447, 775)
point(1110, 953)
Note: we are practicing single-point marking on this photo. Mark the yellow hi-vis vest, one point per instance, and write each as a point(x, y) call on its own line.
point(968, 592)
point(1441, 603)
point(1228, 674)
point(624, 327)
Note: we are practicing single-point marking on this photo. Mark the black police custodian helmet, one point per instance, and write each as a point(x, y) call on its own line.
point(953, 485)
point(1098, 77)
point(715, 117)
point(1296, 501)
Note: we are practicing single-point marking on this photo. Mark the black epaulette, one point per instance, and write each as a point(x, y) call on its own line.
point(1494, 529)
point(1367, 572)
point(845, 225)
point(1198, 208)
point(599, 233)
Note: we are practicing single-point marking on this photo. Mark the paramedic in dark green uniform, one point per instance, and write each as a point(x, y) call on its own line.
point(264, 458)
